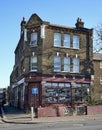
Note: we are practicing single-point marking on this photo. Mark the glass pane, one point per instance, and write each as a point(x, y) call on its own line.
point(76, 42)
point(64, 99)
point(33, 59)
point(57, 63)
point(33, 63)
point(51, 99)
point(54, 84)
point(78, 92)
point(85, 85)
point(33, 39)
point(78, 85)
point(76, 65)
point(64, 92)
point(67, 84)
point(67, 64)
point(61, 84)
point(33, 36)
point(48, 84)
point(78, 99)
point(66, 40)
point(57, 39)
point(58, 92)
point(52, 92)
point(100, 64)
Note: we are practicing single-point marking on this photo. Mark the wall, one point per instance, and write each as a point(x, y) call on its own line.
point(64, 111)
point(92, 110)
point(50, 111)
point(97, 86)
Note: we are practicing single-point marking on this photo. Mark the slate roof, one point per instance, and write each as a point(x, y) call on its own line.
point(97, 56)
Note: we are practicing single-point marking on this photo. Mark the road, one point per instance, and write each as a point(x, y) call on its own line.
point(86, 125)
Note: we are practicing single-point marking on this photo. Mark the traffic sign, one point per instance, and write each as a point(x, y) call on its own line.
point(34, 90)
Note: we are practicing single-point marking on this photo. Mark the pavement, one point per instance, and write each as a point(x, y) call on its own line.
point(17, 116)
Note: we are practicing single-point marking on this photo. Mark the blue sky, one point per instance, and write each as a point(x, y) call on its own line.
point(63, 12)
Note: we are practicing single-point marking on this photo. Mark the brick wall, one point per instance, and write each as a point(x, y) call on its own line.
point(50, 111)
point(92, 110)
point(61, 111)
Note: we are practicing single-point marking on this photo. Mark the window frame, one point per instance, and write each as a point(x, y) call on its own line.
point(100, 64)
point(76, 65)
point(57, 65)
point(67, 64)
point(100, 80)
point(76, 41)
point(33, 64)
point(34, 39)
point(66, 42)
point(59, 93)
point(57, 39)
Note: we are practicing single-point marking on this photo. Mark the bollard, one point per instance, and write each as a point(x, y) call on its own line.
point(32, 113)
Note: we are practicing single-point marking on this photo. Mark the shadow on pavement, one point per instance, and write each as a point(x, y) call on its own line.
point(12, 110)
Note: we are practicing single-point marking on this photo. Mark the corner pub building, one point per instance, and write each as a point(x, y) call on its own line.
point(53, 67)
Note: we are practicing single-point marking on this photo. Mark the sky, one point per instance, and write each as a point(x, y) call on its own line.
point(62, 12)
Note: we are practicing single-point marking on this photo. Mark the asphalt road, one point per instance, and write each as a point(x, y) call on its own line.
point(88, 125)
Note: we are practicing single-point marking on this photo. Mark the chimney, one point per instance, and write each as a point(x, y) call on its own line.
point(79, 23)
point(23, 24)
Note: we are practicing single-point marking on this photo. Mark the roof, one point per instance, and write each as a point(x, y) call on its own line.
point(61, 26)
point(97, 56)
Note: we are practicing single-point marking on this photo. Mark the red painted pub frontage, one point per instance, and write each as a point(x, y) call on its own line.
point(54, 92)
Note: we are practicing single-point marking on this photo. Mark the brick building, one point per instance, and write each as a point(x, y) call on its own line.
point(97, 61)
point(53, 65)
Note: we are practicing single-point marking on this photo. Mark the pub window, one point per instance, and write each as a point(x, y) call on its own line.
point(58, 92)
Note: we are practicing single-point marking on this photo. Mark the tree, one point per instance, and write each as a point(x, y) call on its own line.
point(98, 39)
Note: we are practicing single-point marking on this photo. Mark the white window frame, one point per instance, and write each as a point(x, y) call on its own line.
point(57, 39)
point(66, 42)
point(76, 65)
point(33, 41)
point(67, 64)
point(101, 80)
point(100, 64)
point(76, 42)
point(33, 63)
point(57, 63)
